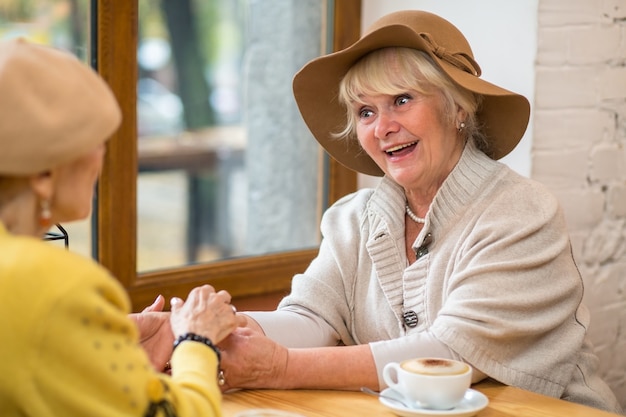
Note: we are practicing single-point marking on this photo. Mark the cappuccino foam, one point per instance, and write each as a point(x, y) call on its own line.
point(430, 366)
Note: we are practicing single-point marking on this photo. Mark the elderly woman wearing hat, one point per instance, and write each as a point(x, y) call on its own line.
point(452, 255)
point(69, 346)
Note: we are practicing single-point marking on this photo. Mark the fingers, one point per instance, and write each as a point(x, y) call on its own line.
point(176, 303)
point(198, 293)
point(157, 305)
point(205, 312)
point(202, 291)
point(225, 296)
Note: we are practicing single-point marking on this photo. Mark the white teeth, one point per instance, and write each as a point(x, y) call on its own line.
point(397, 148)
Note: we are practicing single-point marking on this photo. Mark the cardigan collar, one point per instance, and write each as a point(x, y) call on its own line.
point(459, 190)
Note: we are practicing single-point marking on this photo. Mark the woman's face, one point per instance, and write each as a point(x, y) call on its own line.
point(409, 137)
point(75, 182)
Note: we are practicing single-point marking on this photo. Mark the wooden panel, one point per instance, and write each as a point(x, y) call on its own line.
point(347, 25)
point(117, 188)
point(245, 278)
point(347, 30)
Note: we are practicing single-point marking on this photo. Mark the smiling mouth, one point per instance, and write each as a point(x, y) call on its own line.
point(399, 148)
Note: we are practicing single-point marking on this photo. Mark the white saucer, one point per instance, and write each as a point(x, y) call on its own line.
point(471, 404)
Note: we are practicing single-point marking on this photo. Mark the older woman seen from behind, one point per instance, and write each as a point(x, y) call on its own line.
point(70, 347)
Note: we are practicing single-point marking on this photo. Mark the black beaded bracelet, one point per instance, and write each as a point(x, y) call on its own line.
point(197, 338)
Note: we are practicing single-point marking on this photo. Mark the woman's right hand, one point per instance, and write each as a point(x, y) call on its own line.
point(206, 313)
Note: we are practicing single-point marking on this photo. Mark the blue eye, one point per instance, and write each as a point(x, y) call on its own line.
point(365, 113)
point(402, 99)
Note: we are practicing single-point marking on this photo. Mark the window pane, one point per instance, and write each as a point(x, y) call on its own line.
point(63, 24)
point(227, 168)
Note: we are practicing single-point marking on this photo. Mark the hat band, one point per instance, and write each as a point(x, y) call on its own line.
point(461, 60)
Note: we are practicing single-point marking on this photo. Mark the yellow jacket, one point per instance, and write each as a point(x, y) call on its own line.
point(69, 349)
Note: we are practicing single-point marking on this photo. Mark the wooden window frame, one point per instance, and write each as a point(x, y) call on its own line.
point(254, 282)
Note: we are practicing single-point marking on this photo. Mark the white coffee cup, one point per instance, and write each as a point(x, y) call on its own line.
point(434, 383)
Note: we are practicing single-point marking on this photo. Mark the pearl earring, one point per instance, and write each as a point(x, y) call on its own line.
point(461, 126)
point(45, 216)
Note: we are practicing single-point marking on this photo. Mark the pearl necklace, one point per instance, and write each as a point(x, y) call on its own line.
point(413, 216)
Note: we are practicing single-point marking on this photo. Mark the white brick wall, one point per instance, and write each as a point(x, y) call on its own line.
point(579, 151)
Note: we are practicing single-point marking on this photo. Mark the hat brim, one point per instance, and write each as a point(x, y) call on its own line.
point(503, 115)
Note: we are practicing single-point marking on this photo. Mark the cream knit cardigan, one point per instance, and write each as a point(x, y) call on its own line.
point(498, 286)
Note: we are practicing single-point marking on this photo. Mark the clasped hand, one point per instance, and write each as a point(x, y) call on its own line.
point(155, 332)
point(205, 312)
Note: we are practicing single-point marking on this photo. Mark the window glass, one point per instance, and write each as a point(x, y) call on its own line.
point(227, 167)
point(63, 24)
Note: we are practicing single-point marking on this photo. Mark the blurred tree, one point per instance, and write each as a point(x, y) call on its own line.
point(190, 63)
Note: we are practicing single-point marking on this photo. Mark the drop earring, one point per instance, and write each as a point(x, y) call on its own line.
point(45, 216)
point(461, 126)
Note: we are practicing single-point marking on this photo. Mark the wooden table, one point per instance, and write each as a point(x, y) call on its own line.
point(504, 401)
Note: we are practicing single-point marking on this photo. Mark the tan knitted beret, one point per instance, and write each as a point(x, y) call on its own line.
point(53, 108)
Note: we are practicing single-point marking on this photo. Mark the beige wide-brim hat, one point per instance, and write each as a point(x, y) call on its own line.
point(53, 108)
point(503, 115)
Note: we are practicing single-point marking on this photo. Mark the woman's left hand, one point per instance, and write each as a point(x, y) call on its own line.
point(252, 360)
point(155, 333)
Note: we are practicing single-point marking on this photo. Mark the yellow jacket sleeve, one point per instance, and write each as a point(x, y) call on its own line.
point(71, 350)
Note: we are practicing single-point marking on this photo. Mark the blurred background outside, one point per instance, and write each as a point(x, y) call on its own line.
point(226, 166)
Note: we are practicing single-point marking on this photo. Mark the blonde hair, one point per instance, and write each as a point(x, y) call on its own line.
point(396, 70)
